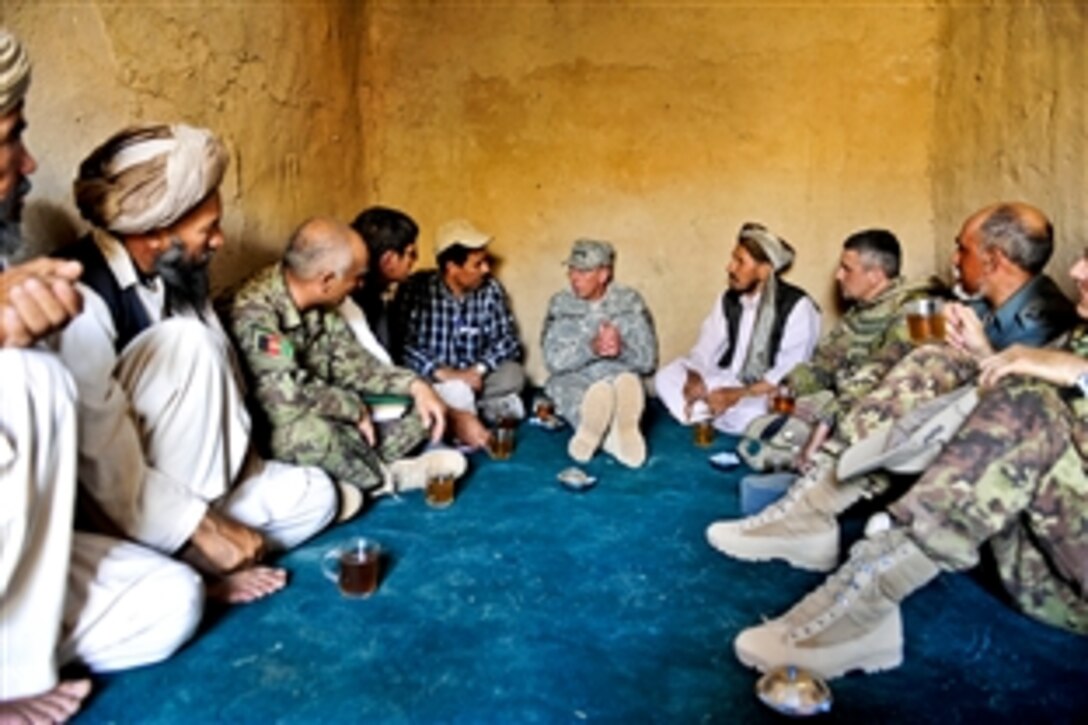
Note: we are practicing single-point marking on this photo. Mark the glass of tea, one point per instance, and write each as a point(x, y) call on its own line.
point(354, 566)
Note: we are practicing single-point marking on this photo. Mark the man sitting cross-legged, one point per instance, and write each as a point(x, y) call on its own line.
point(1012, 477)
point(164, 443)
point(310, 375)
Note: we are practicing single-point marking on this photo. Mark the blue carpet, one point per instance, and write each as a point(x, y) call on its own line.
point(525, 602)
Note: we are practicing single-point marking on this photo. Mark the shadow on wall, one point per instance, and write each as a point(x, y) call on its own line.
point(48, 226)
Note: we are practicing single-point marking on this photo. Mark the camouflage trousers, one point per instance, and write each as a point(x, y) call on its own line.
point(1012, 477)
point(926, 373)
point(341, 451)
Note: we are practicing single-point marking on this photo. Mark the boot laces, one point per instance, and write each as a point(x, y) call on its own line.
point(829, 602)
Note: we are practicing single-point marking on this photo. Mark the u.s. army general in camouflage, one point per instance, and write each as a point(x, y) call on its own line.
point(308, 375)
point(569, 328)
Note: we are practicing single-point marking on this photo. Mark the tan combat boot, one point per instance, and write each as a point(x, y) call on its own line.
point(408, 474)
point(800, 528)
point(598, 405)
point(850, 622)
point(624, 440)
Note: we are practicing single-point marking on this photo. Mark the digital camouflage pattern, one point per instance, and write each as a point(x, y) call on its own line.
point(1038, 313)
point(569, 328)
point(307, 375)
point(1013, 476)
point(925, 373)
point(842, 355)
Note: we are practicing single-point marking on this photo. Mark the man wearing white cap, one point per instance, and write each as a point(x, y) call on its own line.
point(454, 326)
point(65, 597)
point(759, 330)
point(164, 448)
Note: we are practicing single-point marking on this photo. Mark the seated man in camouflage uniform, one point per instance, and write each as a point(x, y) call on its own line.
point(598, 339)
point(1000, 254)
point(869, 281)
point(1013, 476)
point(309, 375)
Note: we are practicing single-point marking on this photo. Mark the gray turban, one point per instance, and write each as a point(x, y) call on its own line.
point(778, 252)
point(14, 72)
point(147, 177)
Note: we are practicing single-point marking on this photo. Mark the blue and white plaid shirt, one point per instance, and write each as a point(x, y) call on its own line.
point(436, 329)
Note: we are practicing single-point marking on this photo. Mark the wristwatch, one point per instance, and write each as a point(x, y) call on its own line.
point(1081, 384)
point(481, 368)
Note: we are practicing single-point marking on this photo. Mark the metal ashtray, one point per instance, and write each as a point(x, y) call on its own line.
point(794, 691)
point(576, 479)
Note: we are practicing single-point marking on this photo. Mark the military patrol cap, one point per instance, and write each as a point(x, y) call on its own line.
point(590, 254)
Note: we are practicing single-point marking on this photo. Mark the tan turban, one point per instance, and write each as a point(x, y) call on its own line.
point(147, 177)
point(14, 72)
point(778, 252)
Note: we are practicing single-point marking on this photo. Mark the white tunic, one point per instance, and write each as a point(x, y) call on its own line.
point(799, 338)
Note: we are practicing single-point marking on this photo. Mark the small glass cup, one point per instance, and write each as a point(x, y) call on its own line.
point(440, 491)
point(501, 446)
point(925, 321)
point(354, 566)
point(703, 432)
point(544, 409)
point(783, 401)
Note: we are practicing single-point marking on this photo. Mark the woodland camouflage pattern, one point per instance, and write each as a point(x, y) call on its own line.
point(569, 328)
point(844, 361)
point(1013, 476)
point(307, 375)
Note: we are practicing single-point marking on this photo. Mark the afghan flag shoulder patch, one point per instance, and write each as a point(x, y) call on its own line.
point(273, 344)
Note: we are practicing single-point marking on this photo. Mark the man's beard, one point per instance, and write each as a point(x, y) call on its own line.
point(734, 284)
point(186, 280)
point(11, 237)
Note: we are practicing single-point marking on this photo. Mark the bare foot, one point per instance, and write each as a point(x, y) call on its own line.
point(247, 585)
point(56, 705)
point(468, 429)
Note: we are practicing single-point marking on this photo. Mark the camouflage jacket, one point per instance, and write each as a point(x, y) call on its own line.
point(571, 324)
point(839, 361)
point(303, 363)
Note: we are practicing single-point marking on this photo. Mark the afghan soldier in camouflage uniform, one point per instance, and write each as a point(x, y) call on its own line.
point(845, 359)
point(598, 339)
point(1013, 476)
point(1012, 242)
point(310, 376)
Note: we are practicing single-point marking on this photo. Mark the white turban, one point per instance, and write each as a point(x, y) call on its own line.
point(14, 72)
point(146, 178)
point(778, 252)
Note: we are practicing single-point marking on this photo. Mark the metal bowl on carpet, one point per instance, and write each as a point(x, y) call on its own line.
point(794, 691)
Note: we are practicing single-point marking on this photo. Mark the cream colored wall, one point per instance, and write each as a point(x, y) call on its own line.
point(1012, 120)
point(659, 126)
point(280, 82)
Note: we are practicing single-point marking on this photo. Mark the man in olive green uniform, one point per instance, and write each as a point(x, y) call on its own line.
point(1001, 251)
point(869, 281)
point(310, 377)
point(1013, 477)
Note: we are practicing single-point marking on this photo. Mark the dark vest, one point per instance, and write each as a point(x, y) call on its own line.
point(788, 296)
point(128, 313)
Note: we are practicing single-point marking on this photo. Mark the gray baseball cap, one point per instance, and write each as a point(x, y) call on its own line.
point(590, 254)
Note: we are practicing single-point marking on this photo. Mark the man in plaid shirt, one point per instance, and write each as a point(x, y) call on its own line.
point(453, 326)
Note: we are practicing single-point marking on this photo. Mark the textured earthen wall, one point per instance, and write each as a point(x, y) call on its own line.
point(1012, 116)
point(659, 126)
